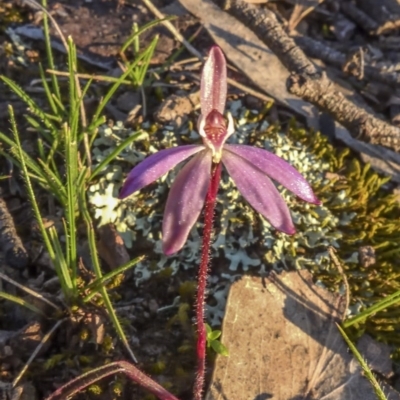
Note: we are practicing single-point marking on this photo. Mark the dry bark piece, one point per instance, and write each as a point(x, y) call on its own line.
point(10, 243)
point(349, 64)
point(284, 344)
point(307, 81)
point(386, 13)
point(360, 17)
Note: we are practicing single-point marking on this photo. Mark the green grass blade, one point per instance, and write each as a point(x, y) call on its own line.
point(114, 154)
point(71, 159)
point(49, 53)
point(29, 188)
point(74, 102)
point(49, 95)
point(368, 373)
point(148, 55)
point(381, 305)
point(15, 150)
point(59, 103)
point(39, 127)
point(99, 275)
point(56, 186)
point(131, 39)
point(21, 302)
point(114, 88)
point(61, 265)
point(99, 282)
point(34, 108)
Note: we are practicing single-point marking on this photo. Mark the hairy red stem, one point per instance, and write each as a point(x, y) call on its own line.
point(202, 279)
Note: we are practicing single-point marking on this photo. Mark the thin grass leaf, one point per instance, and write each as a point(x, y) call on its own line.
point(136, 42)
point(14, 150)
point(71, 160)
point(21, 302)
point(53, 151)
point(49, 95)
point(99, 282)
point(368, 373)
point(39, 128)
point(131, 39)
point(29, 189)
point(61, 265)
point(29, 291)
point(381, 305)
point(58, 102)
point(83, 94)
point(83, 178)
point(42, 174)
point(74, 102)
point(99, 275)
point(57, 187)
point(49, 53)
point(116, 85)
point(34, 108)
point(146, 61)
point(42, 155)
point(138, 73)
point(114, 154)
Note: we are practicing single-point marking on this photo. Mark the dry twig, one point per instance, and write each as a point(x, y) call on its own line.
point(309, 83)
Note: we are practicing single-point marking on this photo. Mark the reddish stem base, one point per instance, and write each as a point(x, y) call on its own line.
point(202, 279)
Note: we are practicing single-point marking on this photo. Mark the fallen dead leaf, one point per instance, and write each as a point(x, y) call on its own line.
point(284, 344)
point(111, 247)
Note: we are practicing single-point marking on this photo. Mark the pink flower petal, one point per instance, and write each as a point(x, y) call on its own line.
point(155, 166)
point(185, 201)
point(213, 82)
point(259, 191)
point(276, 168)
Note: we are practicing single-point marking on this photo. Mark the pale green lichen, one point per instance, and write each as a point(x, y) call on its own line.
point(353, 212)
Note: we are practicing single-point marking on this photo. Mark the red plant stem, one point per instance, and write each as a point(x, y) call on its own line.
point(80, 383)
point(202, 279)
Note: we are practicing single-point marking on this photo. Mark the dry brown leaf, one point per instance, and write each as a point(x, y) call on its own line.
point(111, 247)
point(284, 344)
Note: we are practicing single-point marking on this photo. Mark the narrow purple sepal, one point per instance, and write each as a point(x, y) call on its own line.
point(185, 201)
point(155, 166)
point(277, 169)
point(259, 191)
point(213, 86)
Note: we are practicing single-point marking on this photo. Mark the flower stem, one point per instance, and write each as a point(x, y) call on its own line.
point(202, 279)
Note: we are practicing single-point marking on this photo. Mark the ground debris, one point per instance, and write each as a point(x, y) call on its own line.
point(11, 245)
point(284, 344)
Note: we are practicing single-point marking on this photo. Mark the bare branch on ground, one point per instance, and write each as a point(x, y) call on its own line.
point(308, 82)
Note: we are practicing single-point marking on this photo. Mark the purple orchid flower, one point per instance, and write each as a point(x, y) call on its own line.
point(251, 168)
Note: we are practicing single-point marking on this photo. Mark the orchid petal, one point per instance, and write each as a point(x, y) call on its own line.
point(155, 166)
point(213, 82)
point(185, 201)
point(259, 191)
point(277, 169)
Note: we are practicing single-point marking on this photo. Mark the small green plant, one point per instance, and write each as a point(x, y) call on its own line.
point(61, 166)
point(214, 343)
